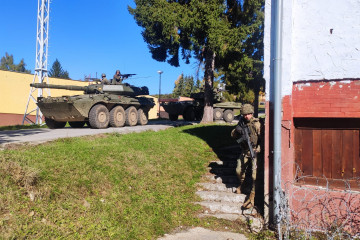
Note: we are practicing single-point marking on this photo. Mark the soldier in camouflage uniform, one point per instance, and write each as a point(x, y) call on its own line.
point(104, 79)
point(245, 164)
point(117, 79)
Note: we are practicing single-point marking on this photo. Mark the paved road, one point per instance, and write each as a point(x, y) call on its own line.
point(44, 134)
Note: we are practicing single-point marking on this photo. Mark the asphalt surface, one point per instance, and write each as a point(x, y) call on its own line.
point(39, 135)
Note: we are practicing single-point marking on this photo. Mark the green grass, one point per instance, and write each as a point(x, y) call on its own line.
point(18, 127)
point(133, 186)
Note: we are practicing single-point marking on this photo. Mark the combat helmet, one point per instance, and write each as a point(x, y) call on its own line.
point(103, 75)
point(247, 109)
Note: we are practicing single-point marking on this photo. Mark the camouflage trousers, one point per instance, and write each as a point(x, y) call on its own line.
point(247, 167)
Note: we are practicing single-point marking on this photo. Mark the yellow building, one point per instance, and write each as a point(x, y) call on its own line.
point(14, 93)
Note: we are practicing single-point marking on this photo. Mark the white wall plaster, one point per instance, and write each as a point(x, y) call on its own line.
point(321, 40)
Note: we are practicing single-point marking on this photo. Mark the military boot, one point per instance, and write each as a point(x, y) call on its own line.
point(250, 202)
point(238, 189)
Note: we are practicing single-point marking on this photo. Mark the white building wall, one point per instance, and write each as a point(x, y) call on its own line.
point(321, 40)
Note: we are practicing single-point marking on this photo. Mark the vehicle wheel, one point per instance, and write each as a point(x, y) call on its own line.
point(228, 115)
point(117, 117)
point(189, 114)
point(99, 116)
point(218, 113)
point(79, 124)
point(173, 117)
point(52, 124)
point(131, 116)
point(142, 117)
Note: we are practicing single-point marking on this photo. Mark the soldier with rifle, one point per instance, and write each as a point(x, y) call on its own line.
point(118, 77)
point(247, 134)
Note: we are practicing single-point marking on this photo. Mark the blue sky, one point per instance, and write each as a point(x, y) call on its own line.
point(87, 37)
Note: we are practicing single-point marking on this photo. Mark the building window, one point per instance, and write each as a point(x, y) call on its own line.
point(327, 151)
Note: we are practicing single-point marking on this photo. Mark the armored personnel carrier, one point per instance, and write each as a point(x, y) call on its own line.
point(100, 106)
point(193, 110)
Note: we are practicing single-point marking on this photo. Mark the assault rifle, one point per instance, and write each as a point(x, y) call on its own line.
point(124, 76)
point(243, 129)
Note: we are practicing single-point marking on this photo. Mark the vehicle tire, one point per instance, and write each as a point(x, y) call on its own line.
point(189, 114)
point(173, 117)
point(99, 116)
point(218, 113)
point(78, 124)
point(131, 116)
point(117, 117)
point(52, 124)
point(142, 117)
point(228, 115)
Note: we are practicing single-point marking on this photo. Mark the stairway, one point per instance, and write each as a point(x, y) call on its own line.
point(217, 190)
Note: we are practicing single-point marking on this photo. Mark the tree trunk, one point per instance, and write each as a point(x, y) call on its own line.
point(209, 80)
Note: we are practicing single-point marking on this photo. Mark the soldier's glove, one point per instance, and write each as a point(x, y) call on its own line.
point(237, 132)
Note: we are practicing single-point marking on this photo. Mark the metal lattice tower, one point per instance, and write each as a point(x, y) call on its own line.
point(41, 59)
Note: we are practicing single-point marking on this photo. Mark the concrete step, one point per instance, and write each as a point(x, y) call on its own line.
point(223, 179)
point(227, 216)
point(223, 171)
point(256, 223)
point(217, 187)
point(219, 207)
point(221, 164)
point(228, 156)
point(223, 197)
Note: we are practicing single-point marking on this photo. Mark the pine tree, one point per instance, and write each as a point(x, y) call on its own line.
point(177, 91)
point(57, 71)
point(208, 30)
point(7, 63)
point(183, 28)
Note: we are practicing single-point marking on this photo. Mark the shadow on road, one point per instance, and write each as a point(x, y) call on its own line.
point(9, 136)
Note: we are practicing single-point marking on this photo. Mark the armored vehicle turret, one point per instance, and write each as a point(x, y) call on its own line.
point(100, 106)
point(193, 110)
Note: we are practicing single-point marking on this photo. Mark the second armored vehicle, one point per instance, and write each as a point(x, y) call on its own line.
point(100, 106)
point(193, 110)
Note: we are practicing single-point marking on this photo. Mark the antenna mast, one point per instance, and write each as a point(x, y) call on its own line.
point(41, 59)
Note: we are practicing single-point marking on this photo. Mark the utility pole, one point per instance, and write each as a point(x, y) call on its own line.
point(42, 40)
point(159, 72)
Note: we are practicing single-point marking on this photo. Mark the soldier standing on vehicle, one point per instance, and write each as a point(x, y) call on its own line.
point(247, 134)
point(117, 79)
point(104, 79)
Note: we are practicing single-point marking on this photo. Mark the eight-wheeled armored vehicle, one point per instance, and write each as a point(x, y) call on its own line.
point(193, 110)
point(100, 106)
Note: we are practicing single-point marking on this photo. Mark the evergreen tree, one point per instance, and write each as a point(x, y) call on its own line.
point(7, 63)
point(178, 88)
point(211, 31)
point(243, 67)
point(188, 86)
point(184, 28)
point(57, 71)
point(184, 86)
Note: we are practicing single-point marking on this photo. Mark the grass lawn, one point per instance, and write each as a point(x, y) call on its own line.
point(133, 186)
